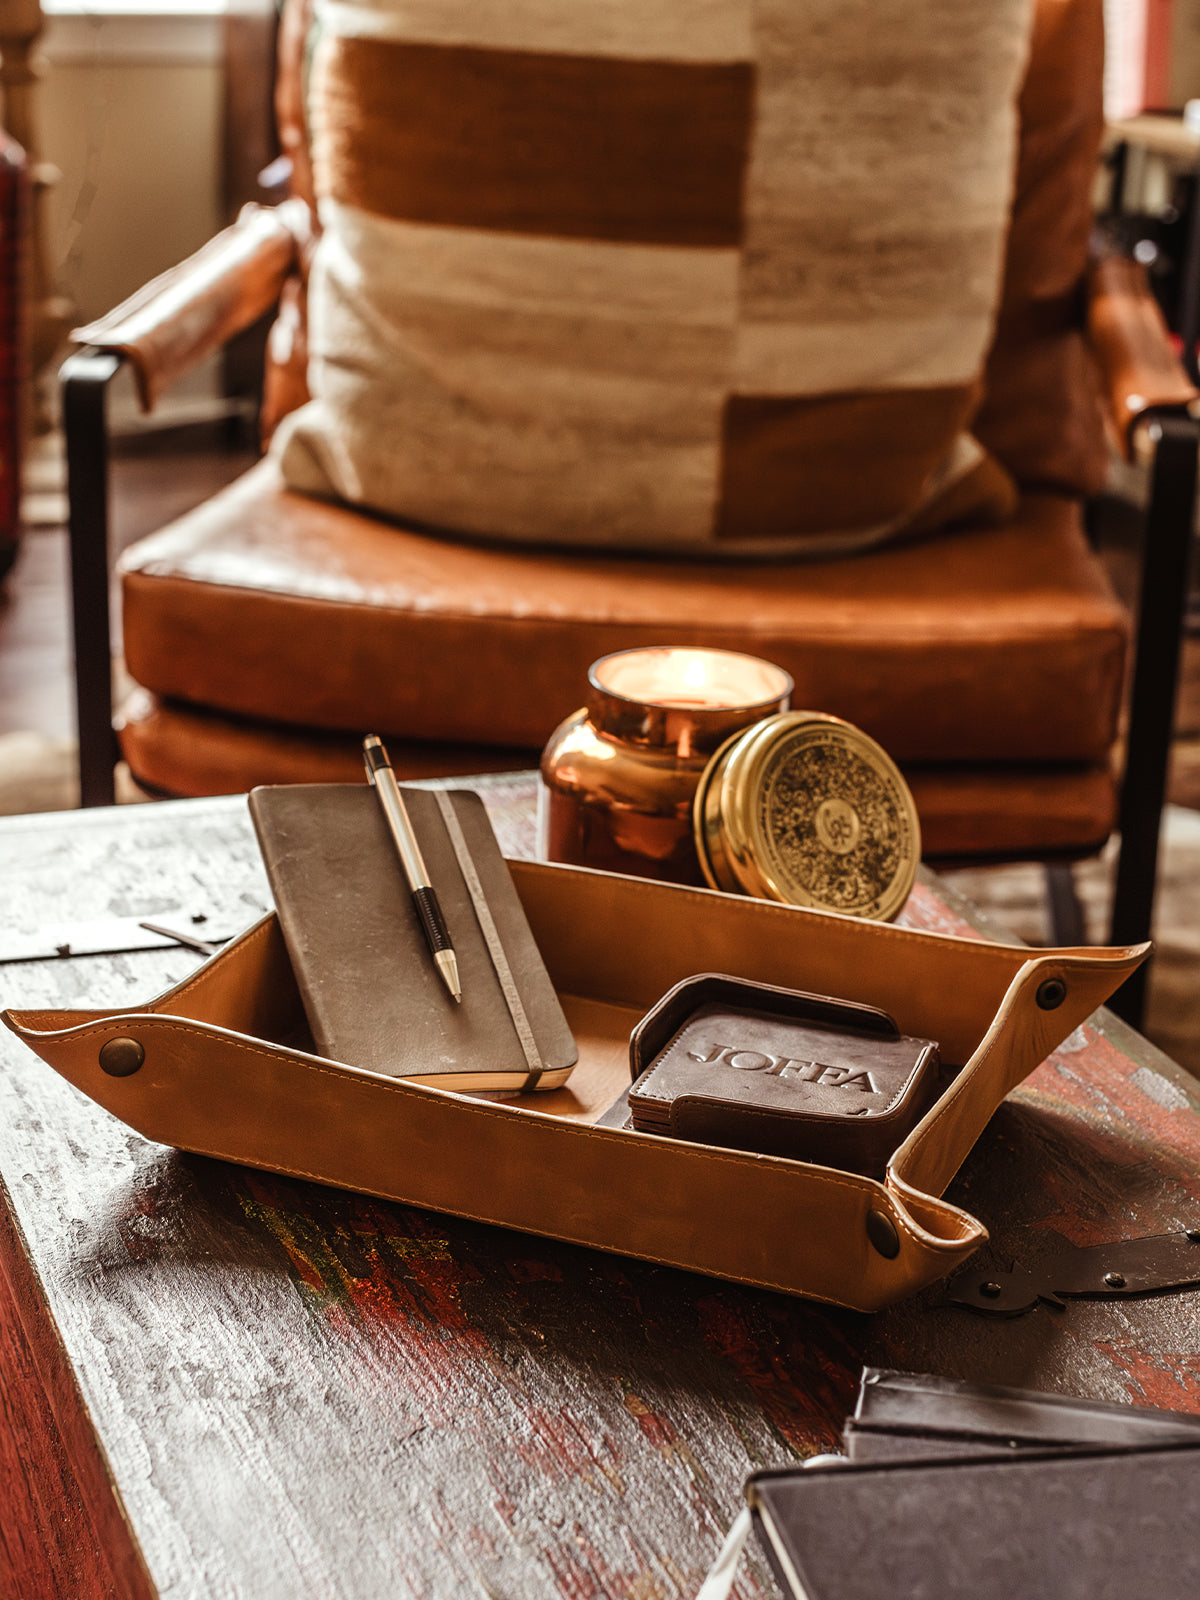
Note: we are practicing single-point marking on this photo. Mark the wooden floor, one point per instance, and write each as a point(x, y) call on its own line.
point(153, 480)
point(159, 477)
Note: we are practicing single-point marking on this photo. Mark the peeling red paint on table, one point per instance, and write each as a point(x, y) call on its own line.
point(305, 1392)
point(1174, 1387)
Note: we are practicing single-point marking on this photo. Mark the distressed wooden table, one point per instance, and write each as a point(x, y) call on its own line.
point(222, 1384)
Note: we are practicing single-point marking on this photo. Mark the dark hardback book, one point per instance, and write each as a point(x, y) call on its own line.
point(1072, 1525)
point(909, 1415)
point(373, 996)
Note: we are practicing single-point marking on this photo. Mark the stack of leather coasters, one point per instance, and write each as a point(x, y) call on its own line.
point(723, 1061)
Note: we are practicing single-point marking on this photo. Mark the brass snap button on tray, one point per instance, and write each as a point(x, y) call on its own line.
point(121, 1058)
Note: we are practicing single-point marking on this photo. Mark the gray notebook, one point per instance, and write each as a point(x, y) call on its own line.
point(370, 988)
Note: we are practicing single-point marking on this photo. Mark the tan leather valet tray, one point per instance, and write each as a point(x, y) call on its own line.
point(222, 1075)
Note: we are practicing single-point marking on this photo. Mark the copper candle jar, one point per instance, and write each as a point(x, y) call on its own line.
point(619, 776)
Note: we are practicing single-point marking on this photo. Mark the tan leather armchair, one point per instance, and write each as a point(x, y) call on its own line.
point(269, 630)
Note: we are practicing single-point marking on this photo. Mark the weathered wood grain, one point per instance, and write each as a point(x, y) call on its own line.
point(302, 1392)
point(48, 1545)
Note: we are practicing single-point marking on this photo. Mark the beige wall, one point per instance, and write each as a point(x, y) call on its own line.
point(137, 147)
point(130, 113)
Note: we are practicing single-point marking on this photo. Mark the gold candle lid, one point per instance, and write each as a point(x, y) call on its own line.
point(806, 809)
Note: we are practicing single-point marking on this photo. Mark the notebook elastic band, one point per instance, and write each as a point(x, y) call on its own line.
point(491, 935)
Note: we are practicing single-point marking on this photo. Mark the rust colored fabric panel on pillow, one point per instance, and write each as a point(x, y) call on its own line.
point(682, 278)
point(1004, 646)
point(651, 152)
point(791, 465)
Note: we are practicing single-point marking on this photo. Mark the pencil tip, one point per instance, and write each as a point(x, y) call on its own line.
point(448, 967)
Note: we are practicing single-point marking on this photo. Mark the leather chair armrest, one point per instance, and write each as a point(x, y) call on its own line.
point(1139, 366)
point(188, 312)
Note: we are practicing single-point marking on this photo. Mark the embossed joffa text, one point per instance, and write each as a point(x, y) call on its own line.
point(785, 1067)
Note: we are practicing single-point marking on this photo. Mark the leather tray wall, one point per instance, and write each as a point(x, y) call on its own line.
point(229, 1072)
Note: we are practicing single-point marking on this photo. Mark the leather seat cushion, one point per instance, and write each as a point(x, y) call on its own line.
point(1003, 645)
point(182, 751)
point(966, 812)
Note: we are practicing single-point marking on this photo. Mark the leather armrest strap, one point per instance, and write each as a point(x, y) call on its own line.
point(196, 307)
point(1138, 362)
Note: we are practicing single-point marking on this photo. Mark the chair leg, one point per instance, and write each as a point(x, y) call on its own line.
point(1068, 926)
point(1169, 525)
point(85, 379)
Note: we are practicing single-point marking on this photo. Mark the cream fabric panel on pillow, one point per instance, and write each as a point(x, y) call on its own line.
point(709, 276)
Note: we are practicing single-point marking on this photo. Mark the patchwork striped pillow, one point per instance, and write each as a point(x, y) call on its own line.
point(704, 276)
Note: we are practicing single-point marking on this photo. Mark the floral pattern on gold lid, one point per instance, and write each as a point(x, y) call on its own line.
point(807, 809)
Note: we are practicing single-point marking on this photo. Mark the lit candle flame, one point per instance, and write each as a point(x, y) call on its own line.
point(695, 672)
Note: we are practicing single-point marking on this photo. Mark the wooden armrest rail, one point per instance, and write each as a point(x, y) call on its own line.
point(1139, 366)
point(172, 323)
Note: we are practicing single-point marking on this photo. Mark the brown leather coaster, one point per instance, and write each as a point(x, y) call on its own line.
point(781, 1072)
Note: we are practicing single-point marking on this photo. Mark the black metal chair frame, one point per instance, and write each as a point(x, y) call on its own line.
point(1174, 438)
